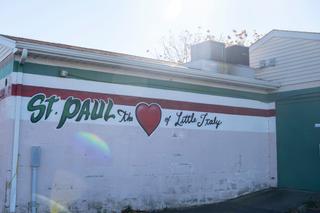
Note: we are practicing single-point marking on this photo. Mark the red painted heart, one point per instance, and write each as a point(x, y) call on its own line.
point(148, 116)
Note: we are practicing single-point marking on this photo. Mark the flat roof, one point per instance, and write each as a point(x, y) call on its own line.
point(153, 66)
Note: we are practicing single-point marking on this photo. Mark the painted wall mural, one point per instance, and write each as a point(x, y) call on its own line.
point(148, 116)
point(154, 143)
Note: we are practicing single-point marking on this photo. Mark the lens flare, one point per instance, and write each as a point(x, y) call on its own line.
point(54, 206)
point(95, 141)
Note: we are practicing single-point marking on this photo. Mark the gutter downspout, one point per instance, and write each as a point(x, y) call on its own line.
point(16, 135)
point(35, 163)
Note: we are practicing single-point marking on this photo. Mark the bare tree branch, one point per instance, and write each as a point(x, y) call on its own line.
point(177, 48)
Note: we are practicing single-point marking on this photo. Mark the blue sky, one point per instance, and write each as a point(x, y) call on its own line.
point(133, 26)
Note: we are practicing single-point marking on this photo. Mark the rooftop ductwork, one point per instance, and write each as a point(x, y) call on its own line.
point(208, 50)
point(213, 56)
point(237, 54)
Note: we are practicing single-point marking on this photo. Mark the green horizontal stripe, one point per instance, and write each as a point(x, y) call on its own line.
point(296, 94)
point(54, 71)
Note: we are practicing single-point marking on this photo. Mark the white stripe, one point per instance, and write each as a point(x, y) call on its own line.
point(229, 122)
point(99, 87)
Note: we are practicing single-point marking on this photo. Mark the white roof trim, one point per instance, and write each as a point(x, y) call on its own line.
point(285, 34)
point(7, 42)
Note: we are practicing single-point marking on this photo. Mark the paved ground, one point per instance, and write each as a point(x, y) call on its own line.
point(267, 201)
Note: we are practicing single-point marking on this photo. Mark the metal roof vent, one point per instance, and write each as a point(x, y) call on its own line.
point(208, 50)
point(237, 54)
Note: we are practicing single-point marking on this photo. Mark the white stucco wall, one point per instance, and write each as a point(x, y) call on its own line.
point(179, 168)
point(176, 166)
point(103, 166)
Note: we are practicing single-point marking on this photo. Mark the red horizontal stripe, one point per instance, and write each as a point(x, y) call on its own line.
point(29, 91)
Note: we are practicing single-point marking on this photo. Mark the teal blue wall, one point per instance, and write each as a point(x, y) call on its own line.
point(298, 141)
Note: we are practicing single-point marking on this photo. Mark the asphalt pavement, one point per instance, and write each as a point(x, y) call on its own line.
point(266, 201)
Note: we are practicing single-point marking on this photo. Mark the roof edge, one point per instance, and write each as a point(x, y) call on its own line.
point(136, 64)
point(285, 34)
point(7, 42)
